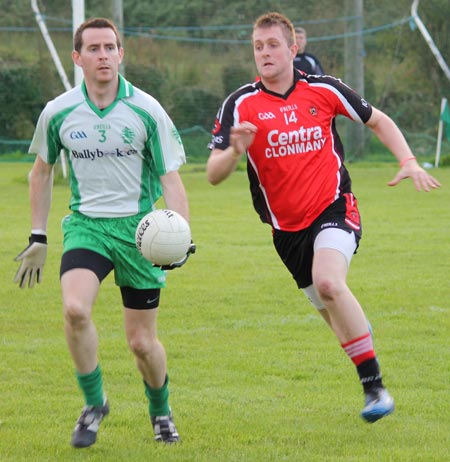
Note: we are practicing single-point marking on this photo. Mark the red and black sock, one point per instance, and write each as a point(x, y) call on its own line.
point(360, 351)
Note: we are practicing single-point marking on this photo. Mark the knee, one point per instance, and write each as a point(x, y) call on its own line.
point(76, 314)
point(328, 289)
point(141, 346)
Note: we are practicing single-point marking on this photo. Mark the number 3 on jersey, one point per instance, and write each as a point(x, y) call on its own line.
point(102, 136)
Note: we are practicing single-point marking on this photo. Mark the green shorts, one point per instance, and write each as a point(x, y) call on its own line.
point(114, 239)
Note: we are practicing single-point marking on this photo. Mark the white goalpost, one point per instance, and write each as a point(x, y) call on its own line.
point(435, 50)
point(437, 158)
point(77, 19)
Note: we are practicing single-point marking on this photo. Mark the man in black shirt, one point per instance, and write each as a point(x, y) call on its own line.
point(305, 62)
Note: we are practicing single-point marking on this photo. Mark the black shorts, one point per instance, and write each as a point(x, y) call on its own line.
point(136, 299)
point(296, 249)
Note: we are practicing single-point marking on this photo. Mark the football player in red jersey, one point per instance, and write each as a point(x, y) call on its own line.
point(285, 124)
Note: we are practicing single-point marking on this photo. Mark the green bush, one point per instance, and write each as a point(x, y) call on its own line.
point(445, 161)
point(195, 142)
point(235, 76)
point(147, 78)
point(20, 101)
point(193, 106)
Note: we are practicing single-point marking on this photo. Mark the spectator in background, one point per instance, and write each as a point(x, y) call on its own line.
point(303, 61)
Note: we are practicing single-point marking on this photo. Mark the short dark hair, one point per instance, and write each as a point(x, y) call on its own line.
point(94, 23)
point(277, 19)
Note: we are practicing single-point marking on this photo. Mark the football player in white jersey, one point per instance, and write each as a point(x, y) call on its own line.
point(124, 153)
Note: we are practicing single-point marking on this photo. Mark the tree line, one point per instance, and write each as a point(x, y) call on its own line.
point(190, 57)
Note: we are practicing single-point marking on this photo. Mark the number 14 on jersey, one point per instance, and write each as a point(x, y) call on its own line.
point(290, 118)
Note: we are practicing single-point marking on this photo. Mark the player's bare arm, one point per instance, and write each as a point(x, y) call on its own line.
point(174, 194)
point(223, 162)
point(390, 135)
point(41, 184)
point(175, 198)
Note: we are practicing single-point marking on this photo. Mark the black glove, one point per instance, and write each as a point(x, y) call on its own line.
point(33, 259)
point(192, 248)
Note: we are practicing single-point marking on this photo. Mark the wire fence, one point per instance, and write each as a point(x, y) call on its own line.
point(190, 69)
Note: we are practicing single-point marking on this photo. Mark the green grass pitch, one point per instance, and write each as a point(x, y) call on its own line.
point(255, 374)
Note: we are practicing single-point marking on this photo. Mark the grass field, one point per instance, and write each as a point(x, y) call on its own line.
point(255, 374)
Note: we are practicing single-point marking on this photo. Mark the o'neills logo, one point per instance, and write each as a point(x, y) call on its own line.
point(140, 233)
point(299, 141)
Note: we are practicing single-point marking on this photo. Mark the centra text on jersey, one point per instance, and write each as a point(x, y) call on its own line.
point(98, 153)
point(294, 142)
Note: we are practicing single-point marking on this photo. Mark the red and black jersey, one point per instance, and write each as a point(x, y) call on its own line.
point(296, 163)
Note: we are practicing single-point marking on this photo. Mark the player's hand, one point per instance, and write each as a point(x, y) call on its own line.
point(32, 260)
point(192, 248)
point(422, 180)
point(242, 136)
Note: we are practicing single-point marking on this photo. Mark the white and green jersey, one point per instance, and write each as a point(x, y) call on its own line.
point(116, 155)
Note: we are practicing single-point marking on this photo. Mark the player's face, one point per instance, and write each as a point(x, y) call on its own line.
point(273, 56)
point(300, 39)
point(99, 56)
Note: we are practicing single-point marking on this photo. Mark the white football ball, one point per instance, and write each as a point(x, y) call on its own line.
point(163, 237)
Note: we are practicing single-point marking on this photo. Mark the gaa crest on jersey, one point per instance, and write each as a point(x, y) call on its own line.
point(313, 111)
point(266, 115)
point(77, 135)
point(216, 139)
point(216, 127)
point(128, 135)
